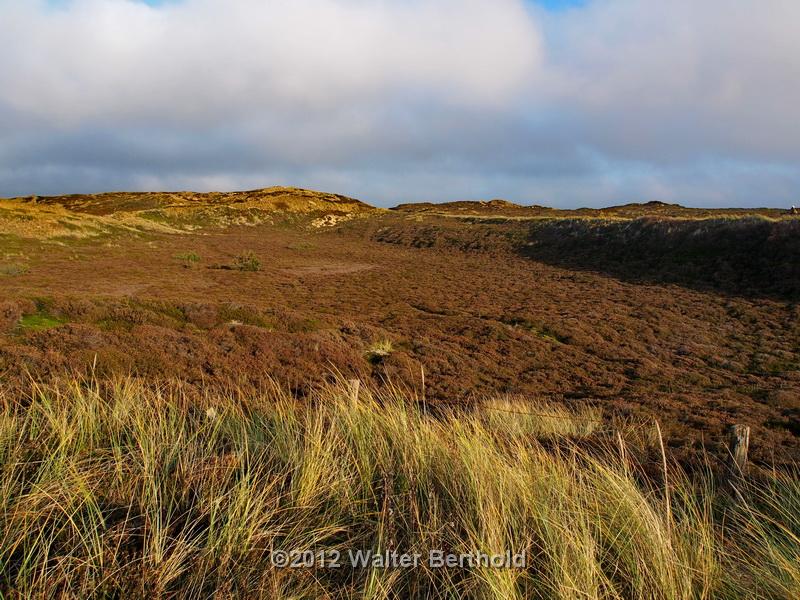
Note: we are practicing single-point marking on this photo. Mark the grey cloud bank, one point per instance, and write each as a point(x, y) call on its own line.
point(398, 100)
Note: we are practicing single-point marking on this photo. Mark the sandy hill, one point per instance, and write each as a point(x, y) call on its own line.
point(85, 215)
point(655, 208)
point(463, 206)
point(274, 198)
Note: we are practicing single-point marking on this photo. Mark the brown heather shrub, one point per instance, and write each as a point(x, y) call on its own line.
point(75, 309)
point(10, 314)
point(204, 316)
point(27, 306)
point(247, 261)
point(132, 315)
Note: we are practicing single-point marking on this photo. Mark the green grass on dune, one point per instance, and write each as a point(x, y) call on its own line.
point(142, 491)
point(39, 322)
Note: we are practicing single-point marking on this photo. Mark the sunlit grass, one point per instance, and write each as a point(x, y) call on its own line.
point(129, 490)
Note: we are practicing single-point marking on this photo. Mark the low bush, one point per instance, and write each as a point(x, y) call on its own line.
point(247, 261)
point(188, 258)
point(10, 314)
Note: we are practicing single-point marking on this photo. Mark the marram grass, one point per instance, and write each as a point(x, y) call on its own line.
point(129, 490)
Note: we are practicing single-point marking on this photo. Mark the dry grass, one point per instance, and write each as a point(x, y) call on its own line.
point(127, 490)
point(93, 215)
point(43, 222)
point(380, 350)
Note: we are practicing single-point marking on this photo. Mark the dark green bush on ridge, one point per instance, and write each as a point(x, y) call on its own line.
point(749, 256)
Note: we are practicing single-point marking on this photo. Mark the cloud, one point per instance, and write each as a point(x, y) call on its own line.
point(397, 100)
point(662, 80)
point(204, 62)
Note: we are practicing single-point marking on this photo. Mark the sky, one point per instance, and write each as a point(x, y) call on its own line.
point(565, 103)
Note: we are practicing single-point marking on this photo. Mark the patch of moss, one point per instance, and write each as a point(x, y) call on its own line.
point(39, 322)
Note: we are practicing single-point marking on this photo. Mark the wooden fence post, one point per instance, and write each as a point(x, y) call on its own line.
point(738, 445)
point(354, 385)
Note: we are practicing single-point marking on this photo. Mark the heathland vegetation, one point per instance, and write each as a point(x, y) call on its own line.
point(177, 397)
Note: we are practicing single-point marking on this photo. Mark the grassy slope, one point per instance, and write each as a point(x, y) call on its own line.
point(502, 208)
point(93, 215)
point(122, 490)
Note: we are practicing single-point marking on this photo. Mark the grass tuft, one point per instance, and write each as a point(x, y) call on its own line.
point(188, 258)
point(379, 351)
point(247, 261)
point(123, 489)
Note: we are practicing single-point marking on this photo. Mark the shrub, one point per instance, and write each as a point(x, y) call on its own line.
point(188, 258)
point(13, 269)
point(204, 316)
point(10, 314)
point(247, 261)
point(302, 325)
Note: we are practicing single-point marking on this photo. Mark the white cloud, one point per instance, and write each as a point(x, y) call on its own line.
point(392, 100)
point(221, 60)
point(654, 79)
